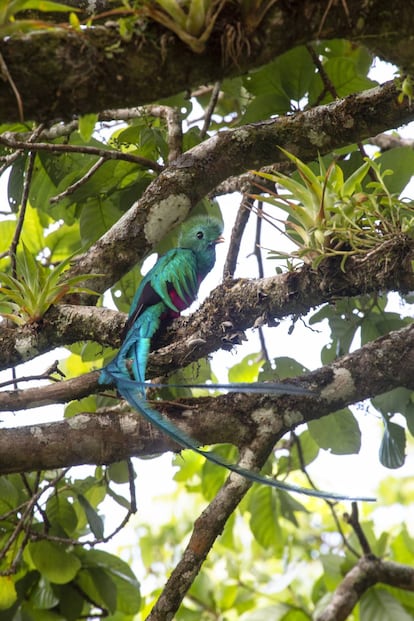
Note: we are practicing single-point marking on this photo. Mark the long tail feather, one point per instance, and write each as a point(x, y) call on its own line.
point(254, 387)
point(129, 390)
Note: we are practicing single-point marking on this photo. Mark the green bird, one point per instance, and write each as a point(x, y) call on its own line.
point(167, 289)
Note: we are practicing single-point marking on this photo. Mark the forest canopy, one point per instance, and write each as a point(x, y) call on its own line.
point(119, 121)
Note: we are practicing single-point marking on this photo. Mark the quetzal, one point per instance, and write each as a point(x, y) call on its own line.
point(168, 288)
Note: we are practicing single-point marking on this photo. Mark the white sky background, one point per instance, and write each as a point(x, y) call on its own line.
point(346, 474)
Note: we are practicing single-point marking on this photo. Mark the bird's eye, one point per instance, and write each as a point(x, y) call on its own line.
point(200, 235)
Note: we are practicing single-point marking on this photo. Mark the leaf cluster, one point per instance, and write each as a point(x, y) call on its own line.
point(36, 287)
point(333, 216)
point(44, 534)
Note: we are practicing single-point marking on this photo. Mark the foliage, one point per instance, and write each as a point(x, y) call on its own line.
point(333, 216)
point(278, 557)
point(36, 288)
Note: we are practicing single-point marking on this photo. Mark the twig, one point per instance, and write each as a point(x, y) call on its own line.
point(7, 76)
point(22, 213)
point(72, 188)
point(332, 90)
point(353, 520)
point(326, 12)
point(210, 109)
point(236, 235)
point(207, 528)
point(25, 516)
point(174, 128)
point(330, 504)
point(8, 140)
point(46, 375)
point(326, 81)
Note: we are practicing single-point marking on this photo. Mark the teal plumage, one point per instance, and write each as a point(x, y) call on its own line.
point(168, 288)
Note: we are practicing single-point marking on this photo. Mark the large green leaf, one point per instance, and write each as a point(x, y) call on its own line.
point(8, 593)
point(377, 604)
point(297, 459)
point(247, 370)
point(61, 514)
point(264, 517)
point(96, 217)
point(55, 562)
point(127, 586)
point(287, 77)
point(213, 476)
point(401, 161)
point(339, 432)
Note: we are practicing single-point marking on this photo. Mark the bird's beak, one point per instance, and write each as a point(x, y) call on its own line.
point(219, 240)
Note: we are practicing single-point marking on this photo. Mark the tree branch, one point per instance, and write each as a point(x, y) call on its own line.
point(168, 199)
point(60, 71)
point(233, 306)
point(368, 571)
point(104, 437)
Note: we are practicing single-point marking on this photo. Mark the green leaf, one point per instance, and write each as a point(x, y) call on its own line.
point(288, 506)
point(123, 502)
point(392, 449)
point(118, 472)
point(212, 475)
point(15, 183)
point(98, 586)
point(87, 404)
point(247, 370)
point(377, 604)
point(264, 519)
point(394, 401)
point(47, 5)
point(309, 451)
point(61, 514)
point(277, 612)
point(87, 124)
point(127, 586)
point(54, 561)
point(43, 596)
point(288, 367)
point(71, 602)
point(8, 594)
point(286, 79)
point(97, 216)
point(9, 495)
point(94, 520)
point(339, 432)
point(401, 161)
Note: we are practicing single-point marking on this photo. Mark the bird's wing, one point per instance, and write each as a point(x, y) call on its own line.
point(174, 278)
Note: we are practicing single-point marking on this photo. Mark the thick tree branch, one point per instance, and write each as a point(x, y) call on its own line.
point(232, 307)
point(168, 199)
point(208, 526)
point(105, 437)
point(62, 71)
point(368, 571)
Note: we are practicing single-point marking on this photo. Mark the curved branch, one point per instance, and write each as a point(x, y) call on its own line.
point(232, 307)
point(169, 198)
point(60, 71)
point(368, 571)
point(104, 437)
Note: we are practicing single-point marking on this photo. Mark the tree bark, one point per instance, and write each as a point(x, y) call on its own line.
point(59, 72)
point(112, 435)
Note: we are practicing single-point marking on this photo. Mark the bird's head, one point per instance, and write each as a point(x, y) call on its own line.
point(201, 234)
